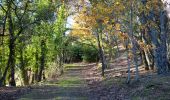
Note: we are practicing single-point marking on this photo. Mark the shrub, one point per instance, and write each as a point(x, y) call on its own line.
point(90, 54)
point(78, 53)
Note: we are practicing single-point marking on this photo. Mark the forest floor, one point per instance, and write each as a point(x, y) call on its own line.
point(83, 81)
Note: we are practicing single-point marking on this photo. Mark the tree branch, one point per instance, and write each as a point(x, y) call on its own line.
point(3, 8)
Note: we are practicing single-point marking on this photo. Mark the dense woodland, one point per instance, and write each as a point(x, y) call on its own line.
point(37, 37)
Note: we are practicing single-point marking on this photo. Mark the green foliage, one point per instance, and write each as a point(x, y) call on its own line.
point(45, 11)
point(76, 52)
point(82, 52)
point(31, 23)
point(90, 54)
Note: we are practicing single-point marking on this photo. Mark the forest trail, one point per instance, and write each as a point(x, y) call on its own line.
point(82, 81)
point(70, 86)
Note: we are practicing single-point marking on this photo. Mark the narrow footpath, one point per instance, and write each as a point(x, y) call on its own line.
point(70, 86)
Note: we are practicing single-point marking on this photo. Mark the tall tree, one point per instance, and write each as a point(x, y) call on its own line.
point(156, 22)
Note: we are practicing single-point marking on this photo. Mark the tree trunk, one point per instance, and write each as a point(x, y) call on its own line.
point(101, 54)
point(23, 69)
point(42, 60)
point(134, 44)
point(158, 38)
point(11, 50)
point(61, 64)
point(12, 62)
point(117, 45)
point(128, 61)
point(152, 60)
point(160, 52)
point(144, 60)
point(2, 80)
point(36, 66)
point(135, 61)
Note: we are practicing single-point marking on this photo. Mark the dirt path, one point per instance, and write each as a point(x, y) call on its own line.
point(70, 86)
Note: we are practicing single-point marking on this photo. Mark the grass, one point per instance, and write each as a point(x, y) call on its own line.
point(147, 88)
point(65, 87)
point(70, 82)
point(155, 88)
point(79, 98)
point(72, 65)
